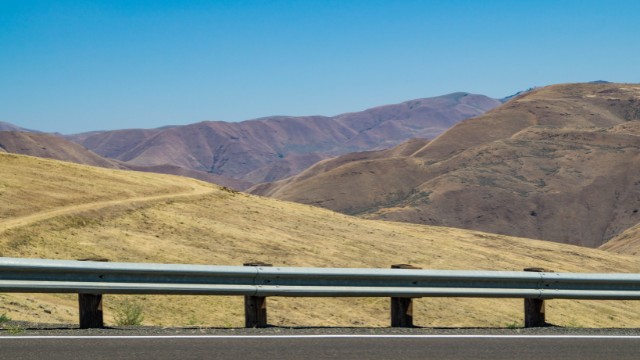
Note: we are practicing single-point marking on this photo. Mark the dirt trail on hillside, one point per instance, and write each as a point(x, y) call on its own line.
point(5, 225)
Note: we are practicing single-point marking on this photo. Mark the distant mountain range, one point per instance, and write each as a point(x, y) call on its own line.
point(239, 155)
point(276, 147)
point(559, 163)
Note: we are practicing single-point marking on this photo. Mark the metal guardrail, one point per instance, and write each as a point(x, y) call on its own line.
point(257, 282)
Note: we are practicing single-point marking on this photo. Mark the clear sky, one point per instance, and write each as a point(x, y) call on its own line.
point(82, 65)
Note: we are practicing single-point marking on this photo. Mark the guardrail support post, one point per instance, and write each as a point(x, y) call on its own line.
point(90, 306)
point(402, 308)
point(91, 316)
point(534, 315)
point(255, 307)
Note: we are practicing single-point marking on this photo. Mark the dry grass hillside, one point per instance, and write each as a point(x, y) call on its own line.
point(626, 243)
point(57, 210)
point(30, 186)
point(560, 163)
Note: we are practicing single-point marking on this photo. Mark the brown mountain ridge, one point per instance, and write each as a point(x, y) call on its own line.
point(51, 147)
point(5, 126)
point(276, 147)
point(559, 163)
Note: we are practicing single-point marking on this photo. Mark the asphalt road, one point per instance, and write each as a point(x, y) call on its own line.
point(321, 347)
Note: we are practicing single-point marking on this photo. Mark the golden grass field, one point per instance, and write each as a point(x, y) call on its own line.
point(51, 209)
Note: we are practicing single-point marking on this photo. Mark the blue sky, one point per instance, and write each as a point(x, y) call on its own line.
point(74, 66)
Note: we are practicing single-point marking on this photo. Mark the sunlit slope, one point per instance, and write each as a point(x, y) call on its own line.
point(559, 163)
point(156, 218)
point(626, 243)
point(29, 185)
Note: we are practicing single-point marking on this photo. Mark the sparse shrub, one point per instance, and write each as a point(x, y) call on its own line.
point(513, 325)
point(574, 324)
point(15, 329)
point(129, 314)
point(11, 329)
point(19, 239)
point(228, 190)
point(77, 222)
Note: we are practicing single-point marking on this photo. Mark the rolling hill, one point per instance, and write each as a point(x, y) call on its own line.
point(75, 211)
point(54, 147)
point(51, 147)
point(628, 242)
point(276, 147)
point(560, 163)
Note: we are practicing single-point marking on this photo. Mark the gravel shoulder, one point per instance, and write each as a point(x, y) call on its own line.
point(18, 328)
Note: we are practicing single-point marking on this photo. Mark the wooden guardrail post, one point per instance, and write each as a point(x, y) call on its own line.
point(534, 315)
point(402, 307)
point(255, 307)
point(90, 306)
point(91, 316)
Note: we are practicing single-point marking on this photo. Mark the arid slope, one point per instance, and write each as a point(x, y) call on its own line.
point(559, 163)
point(627, 242)
point(82, 212)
